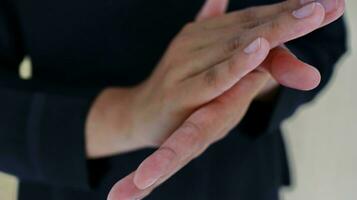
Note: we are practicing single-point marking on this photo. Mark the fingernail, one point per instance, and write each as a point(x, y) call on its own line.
point(253, 47)
point(304, 11)
point(152, 168)
point(329, 5)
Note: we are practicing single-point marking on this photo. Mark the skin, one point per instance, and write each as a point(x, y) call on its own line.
point(202, 62)
point(199, 102)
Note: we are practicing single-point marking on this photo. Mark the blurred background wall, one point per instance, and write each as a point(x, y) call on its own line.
point(321, 137)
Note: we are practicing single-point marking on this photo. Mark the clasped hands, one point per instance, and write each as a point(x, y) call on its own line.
point(203, 85)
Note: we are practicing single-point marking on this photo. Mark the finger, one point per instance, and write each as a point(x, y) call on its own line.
point(287, 26)
point(289, 71)
point(250, 14)
point(290, 25)
point(255, 16)
point(217, 44)
point(212, 8)
point(124, 189)
point(333, 8)
point(214, 81)
point(189, 141)
point(201, 129)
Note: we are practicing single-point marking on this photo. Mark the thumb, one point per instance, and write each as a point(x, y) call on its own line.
point(290, 71)
point(212, 8)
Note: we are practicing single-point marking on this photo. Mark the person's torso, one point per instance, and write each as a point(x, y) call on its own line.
point(91, 43)
point(83, 43)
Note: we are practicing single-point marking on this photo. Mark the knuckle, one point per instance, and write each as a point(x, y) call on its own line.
point(217, 79)
point(247, 14)
point(193, 127)
point(232, 65)
point(274, 25)
point(253, 24)
point(194, 133)
point(231, 46)
point(177, 71)
point(210, 77)
point(200, 132)
point(284, 6)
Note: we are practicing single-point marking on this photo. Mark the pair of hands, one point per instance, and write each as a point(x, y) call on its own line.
point(202, 87)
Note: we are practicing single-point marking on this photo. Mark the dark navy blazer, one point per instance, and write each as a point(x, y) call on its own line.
point(79, 47)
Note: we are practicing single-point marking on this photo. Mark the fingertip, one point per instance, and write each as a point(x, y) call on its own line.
point(313, 80)
point(319, 13)
point(123, 189)
point(313, 13)
point(152, 168)
point(337, 13)
point(310, 79)
point(142, 178)
point(303, 78)
point(341, 6)
point(293, 73)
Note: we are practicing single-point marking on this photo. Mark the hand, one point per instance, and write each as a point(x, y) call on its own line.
point(204, 60)
point(284, 67)
point(287, 70)
point(198, 131)
point(203, 127)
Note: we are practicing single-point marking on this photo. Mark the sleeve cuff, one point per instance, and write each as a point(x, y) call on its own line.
point(56, 139)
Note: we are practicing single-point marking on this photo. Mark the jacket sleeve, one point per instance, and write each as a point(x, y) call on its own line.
point(322, 49)
point(41, 125)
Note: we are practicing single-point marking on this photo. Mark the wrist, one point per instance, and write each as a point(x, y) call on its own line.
point(109, 127)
